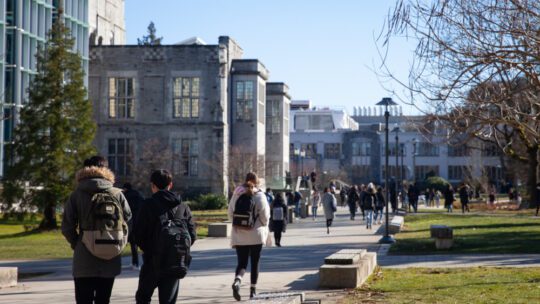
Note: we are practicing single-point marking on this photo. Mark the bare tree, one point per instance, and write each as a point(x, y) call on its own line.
point(476, 68)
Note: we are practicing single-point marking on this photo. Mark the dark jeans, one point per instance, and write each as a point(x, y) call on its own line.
point(277, 236)
point(134, 254)
point(93, 290)
point(149, 280)
point(352, 210)
point(329, 222)
point(243, 253)
point(465, 206)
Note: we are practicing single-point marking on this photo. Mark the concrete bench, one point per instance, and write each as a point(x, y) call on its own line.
point(443, 235)
point(347, 268)
point(219, 229)
point(8, 277)
point(279, 298)
point(396, 224)
point(291, 214)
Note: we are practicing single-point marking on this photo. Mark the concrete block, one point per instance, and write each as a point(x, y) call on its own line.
point(347, 276)
point(279, 298)
point(291, 214)
point(444, 243)
point(219, 229)
point(441, 231)
point(396, 224)
point(345, 257)
point(8, 277)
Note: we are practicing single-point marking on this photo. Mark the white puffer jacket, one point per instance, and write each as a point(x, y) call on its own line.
point(259, 233)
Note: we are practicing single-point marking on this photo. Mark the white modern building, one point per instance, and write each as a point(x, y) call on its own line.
point(107, 22)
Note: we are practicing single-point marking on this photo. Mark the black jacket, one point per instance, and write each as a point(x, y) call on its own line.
point(369, 200)
point(282, 224)
point(135, 201)
point(146, 224)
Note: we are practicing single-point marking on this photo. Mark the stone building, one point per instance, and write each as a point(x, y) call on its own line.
point(196, 109)
point(107, 22)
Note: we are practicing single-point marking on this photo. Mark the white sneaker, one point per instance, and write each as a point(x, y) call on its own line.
point(135, 267)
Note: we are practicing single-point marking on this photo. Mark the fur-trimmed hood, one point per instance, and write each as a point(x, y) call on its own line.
point(95, 172)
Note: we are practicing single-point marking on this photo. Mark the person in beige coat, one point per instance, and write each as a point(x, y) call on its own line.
point(248, 242)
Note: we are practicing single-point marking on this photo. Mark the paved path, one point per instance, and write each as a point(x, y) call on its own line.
point(292, 267)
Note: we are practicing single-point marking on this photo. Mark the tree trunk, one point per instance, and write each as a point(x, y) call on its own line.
point(531, 175)
point(49, 218)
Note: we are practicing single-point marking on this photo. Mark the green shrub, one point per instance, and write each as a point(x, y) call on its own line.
point(213, 201)
point(434, 182)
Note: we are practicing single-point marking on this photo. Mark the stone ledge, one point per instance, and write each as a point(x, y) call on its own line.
point(8, 277)
point(396, 224)
point(347, 276)
point(279, 298)
point(219, 229)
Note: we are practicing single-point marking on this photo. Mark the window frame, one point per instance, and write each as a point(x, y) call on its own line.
point(186, 103)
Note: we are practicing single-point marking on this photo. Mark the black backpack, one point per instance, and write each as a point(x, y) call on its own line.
point(244, 216)
point(172, 248)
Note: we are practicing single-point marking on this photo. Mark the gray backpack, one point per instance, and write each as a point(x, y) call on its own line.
point(105, 231)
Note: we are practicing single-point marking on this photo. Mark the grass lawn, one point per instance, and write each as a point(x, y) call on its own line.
point(454, 285)
point(16, 242)
point(473, 233)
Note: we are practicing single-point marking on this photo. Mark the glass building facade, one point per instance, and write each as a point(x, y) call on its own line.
point(24, 25)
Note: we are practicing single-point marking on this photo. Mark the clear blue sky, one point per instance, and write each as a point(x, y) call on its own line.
point(324, 50)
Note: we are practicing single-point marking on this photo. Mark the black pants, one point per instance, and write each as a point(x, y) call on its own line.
point(149, 280)
point(134, 254)
point(329, 222)
point(352, 209)
point(243, 253)
point(465, 206)
point(93, 290)
point(277, 237)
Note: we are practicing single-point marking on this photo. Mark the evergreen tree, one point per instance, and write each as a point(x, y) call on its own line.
point(55, 131)
point(151, 38)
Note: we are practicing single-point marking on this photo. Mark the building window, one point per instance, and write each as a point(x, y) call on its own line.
point(119, 156)
point(311, 150)
point(490, 150)
point(121, 98)
point(422, 172)
point(392, 149)
point(361, 149)
point(458, 150)
point(186, 97)
point(273, 118)
point(244, 100)
point(331, 151)
point(427, 149)
point(186, 158)
point(458, 172)
point(493, 173)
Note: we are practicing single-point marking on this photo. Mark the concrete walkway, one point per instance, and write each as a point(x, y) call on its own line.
point(293, 267)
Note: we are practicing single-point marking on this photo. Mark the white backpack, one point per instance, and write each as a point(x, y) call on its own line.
point(277, 214)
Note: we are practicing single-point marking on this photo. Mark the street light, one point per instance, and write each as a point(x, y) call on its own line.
point(414, 160)
point(386, 101)
point(398, 173)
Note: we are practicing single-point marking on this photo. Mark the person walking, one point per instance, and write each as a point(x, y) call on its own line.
point(413, 197)
point(369, 202)
point(361, 199)
point(449, 198)
point(431, 197)
point(315, 202)
point(269, 196)
point(491, 199)
point(437, 197)
point(163, 213)
point(464, 197)
point(342, 196)
point(352, 200)
point(329, 203)
point(94, 273)
point(380, 203)
point(248, 240)
point(135, 201)
point(297, 200)
point(278, 217)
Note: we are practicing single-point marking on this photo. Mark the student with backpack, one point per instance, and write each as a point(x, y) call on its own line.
point(95, 225)
point(249, 213)
point(369, 201)
point(164, 230)
point(278, 217)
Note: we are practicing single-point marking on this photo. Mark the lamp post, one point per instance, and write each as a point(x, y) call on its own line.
point(397, 130)
point(386, 101)
point(401, 173)
point(414, 160)
point(297, 155)
point(302, 156)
